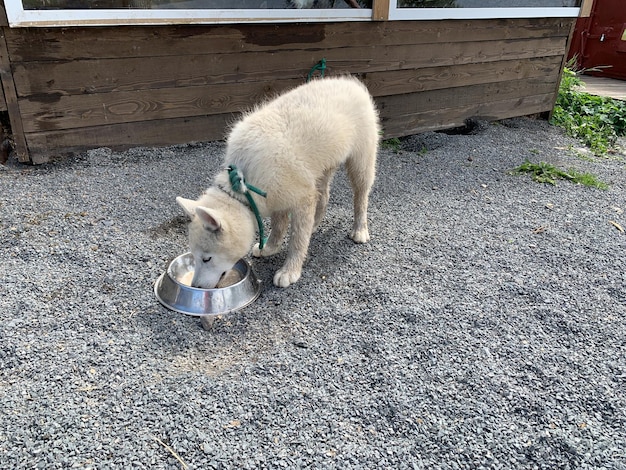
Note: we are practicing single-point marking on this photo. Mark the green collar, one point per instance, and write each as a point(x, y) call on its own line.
point(238, 184)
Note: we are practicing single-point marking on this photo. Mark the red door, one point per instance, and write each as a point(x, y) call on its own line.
point(600, 40)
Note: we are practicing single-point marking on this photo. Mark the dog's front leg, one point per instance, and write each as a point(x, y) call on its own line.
point(301, 226)
point(280, 223)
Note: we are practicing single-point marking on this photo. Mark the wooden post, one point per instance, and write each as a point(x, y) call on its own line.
point(10, 94)
point(563, 63)
point(586, 8)
point(380, 10)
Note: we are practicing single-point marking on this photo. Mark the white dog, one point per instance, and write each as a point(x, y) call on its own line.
point(290, 148)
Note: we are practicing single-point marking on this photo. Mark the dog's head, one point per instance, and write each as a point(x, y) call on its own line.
point(215, 240)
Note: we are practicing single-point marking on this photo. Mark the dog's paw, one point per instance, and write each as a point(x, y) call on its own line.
point(256, 251)
point(284, 278)
point(360, 236)
point(266, 251)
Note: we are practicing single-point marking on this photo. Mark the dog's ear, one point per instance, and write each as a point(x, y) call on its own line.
point(209, 218)
point(188, 206)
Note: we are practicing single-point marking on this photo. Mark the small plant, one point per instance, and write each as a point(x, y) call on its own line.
point(545, 173)
point(597, 121)
point(392, 144)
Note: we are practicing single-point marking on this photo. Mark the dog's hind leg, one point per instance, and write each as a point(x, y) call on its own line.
point(323, 194)
point(361, 169)
point(280, 223)
point(301, 225)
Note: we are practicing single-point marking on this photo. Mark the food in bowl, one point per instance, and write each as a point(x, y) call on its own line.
point(186, 278)
point(231, 277)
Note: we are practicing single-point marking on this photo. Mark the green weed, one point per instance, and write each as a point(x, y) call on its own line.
point(545, 173)
point(392, 144)
point(595, 120)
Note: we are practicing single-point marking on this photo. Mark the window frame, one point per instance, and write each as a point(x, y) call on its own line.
point(19, 17)
point(397, 14)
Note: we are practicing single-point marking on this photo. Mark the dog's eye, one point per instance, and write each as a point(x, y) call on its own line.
point(207, 260)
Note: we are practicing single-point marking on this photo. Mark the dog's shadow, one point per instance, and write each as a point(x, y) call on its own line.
point(330, 248)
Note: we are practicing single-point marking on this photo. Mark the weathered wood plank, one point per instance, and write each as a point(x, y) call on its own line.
point(69, 112)
point(38, 44)
point(45, 145)
point(79, 77)
point(404, 106)
point(433, 78)
point(437, 119)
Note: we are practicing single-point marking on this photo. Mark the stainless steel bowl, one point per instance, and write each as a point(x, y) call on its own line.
point(206, 303)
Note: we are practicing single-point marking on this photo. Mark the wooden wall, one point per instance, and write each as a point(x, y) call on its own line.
point(79, 88)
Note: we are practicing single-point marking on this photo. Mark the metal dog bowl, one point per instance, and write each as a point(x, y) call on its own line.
point(206, 303)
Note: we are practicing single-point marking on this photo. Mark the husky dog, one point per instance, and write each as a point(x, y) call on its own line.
point(290, 148)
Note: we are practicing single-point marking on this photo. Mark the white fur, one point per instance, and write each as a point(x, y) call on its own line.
point(290, 147)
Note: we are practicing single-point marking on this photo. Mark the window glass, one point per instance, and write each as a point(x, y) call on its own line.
point(192, 4)
point(487, 3)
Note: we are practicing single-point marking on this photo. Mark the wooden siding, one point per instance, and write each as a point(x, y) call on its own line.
point(124, 86)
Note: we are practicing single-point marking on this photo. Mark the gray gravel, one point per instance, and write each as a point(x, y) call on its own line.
point(483, 327)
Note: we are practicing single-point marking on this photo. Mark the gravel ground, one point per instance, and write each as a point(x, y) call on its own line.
point(484, 326)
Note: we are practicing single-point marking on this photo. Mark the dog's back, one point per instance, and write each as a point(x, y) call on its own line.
point(304, 133)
